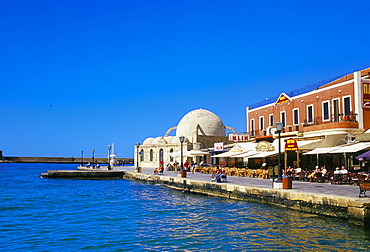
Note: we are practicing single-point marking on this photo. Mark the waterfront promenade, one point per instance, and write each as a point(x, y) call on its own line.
point(343, 190)
point(341, 201)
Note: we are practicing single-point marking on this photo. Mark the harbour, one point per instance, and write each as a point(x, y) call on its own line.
point(122, 214)
point(339, 201)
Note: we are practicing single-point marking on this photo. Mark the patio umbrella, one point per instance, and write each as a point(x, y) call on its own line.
point(364, 157)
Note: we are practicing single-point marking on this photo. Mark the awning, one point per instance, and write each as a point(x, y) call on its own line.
point(364, 157)
point(227, 154)
point(198, 153)
point(307, 144)
point(352, 148)
point(242, 154)
point(324, 150)
point(264, 154)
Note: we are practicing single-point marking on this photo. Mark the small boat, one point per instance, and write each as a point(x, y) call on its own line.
point(92, 168)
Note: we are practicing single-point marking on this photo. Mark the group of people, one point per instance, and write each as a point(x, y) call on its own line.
point(190, 167)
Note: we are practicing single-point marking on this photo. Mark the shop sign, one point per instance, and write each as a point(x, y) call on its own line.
point(264, 146)
point(291, 145)
point(365, 95)
point(282, 99)
point(218, 146)
point(239, 137)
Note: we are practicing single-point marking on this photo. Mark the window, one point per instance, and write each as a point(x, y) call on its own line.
point(262, 127)
point(347, 105)
point(151, 156)
point(271, 120)
point(252, 128)
point(310, 114)
point(171, 157)
point(141, 155)
point(336, 110)
point(161, 155)
point(295, 117)
point(282, 118)
point(325, 111)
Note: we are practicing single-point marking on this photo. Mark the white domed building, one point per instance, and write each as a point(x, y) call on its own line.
point(200, 128)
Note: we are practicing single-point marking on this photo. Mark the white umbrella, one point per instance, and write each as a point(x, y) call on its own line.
point(198, 153)
point(178, 154)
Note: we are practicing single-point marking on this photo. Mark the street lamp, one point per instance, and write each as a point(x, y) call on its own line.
point(137, 154)
point(183, 172)
point(279, 129)
point(93, 150)
point(82, 158)
point(109, 148)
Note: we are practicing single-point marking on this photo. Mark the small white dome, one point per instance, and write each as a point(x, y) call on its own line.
point(209, 124)
point(149, 140)
point(159, 140)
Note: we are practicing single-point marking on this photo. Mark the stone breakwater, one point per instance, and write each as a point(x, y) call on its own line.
point(355, 210)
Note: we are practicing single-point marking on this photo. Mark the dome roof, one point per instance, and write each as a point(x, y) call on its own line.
point(209, 124)
point(149, 140)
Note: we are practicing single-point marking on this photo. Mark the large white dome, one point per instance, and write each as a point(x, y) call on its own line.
point(209, 124)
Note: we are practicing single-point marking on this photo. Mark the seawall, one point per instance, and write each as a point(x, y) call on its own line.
point(59, 160)
point(355, 210)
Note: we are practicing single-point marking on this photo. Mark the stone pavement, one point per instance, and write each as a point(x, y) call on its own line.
point(304, 187)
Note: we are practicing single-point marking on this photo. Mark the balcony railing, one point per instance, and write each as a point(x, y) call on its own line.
point(318, 123)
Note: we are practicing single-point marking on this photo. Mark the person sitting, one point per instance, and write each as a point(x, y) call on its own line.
point(337, 175)
point(344, 175)
point(159, 170)
point(220, 175)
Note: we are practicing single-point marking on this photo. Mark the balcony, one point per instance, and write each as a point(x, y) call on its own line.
point(336, 121)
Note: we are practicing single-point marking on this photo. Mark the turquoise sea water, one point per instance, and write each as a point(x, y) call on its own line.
point(121, 215)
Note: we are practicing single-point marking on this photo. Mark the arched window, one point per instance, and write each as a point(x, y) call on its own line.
point(161, 155)
point(151, 156)
point(171, 157)
point(141, 155)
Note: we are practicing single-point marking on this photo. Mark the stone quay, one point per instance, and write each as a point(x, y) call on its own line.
point(338, 201)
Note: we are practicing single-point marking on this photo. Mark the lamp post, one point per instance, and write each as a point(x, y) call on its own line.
point(279, 128)
point(183, 172)
point(93, 150)
point(137, 154)
point(109, 148)
point(82, 158)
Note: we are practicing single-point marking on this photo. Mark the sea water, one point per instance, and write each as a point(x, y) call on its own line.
point(122, 215)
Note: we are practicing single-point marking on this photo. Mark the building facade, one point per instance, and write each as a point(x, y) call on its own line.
point(200, 128)
point(333, 113)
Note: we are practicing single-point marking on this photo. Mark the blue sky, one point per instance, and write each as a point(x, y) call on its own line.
point(77, 75)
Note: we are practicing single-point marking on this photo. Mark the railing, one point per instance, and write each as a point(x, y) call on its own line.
point(334, 118)
point(352, 117)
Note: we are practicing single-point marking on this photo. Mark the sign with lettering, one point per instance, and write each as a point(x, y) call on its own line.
point(218, 146)
point(365, 95)
point(282, 99)
point(291, 145)
point(238, 137)
point(264, 146)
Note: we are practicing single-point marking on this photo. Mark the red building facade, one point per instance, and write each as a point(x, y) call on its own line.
point(340, 104)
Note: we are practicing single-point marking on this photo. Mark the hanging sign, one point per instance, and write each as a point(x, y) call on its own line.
point(291, 145)
point(264, 146)
point(219, 146)
point(282, 99)
point(365, 95)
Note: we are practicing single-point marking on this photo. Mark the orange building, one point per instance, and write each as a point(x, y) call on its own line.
point(333, 113)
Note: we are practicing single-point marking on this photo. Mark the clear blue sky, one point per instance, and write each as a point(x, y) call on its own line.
point(77, 75)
